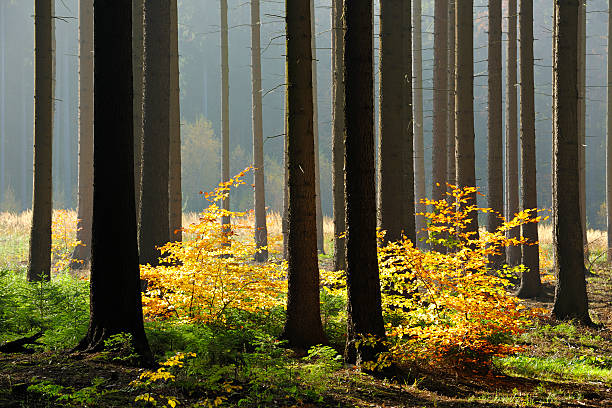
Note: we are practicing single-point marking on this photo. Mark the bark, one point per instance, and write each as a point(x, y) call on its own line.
point(115, 302)
point(137, 69)
point(364, 310)
point(570, 293)
point(408, 209)
point(39, 267)
point(303, 326)
point(609, 145)
point(440, 100)
point(315, 99)
point(464, 107)
point(531, 284)
point(154, 200)
point(392, 144)
point(582, 53)
point(225, 124)
point(495, 146)
point(338, 135)
point(419, 147)
point(285, 220)
point(175, 190)
point(513, 253)
point(451, 171)
point(82, 253)
point(261, 231)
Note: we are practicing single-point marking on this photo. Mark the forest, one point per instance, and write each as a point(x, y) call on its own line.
point(305, 203)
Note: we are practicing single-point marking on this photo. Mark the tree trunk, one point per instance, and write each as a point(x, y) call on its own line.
point(570, 293)
point(115, 305)
point(419, 147)
point(285, 215)
point(315, 99)
point(175, 190)
point(364, 311)
point(531, 285)
point(391, 147)
point(338, 135)
point(582, 55)
point(513, 253)
point(154, 199)
point(440, 100)
point(39, 267)
point(303, 326)
point(82, 253)
point(3, 66)
point(495, 159)
point(225, 123)
point(464, 107)
point(451, 171)
point(408, 221)
point(609, 144)
point(261, 231)
point(137, 68)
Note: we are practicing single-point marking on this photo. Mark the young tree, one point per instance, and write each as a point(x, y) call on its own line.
point(570, 293)
point(495, 147)
point(531, 285)
point(303, 326)
point(154, 202)
point(513, 253)
point(39, 266)
point(261, 231)
point(392, 146)
point(82, 253)
point(440, 100)
point(174, 183)
point(364, 315)
point(115, 302)
point(338, 135)
point(419, 147)
point(464, 105)
point(137, 68)
point(225, 124)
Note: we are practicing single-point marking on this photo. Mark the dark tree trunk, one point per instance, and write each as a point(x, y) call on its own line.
point(225, 123)
point(39, 267)
point(261, 230)
point(338, 135)
point(582, 55)
point(115, 302)
point(303, 326)
point(364, 315)
point(408, 220)
point(154, 202)
point(175, 189)
point(451, 171)
point(513, 253)
point(570, 293)
point(137, 68)
point(82, 253)
point(464, 106)
point(495, 159)
point(531, 285)
point(440, 100)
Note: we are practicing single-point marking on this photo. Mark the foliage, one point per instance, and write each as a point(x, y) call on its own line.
point(450, 307)
point(211, 271)
point(63, 238)
point(86, 396)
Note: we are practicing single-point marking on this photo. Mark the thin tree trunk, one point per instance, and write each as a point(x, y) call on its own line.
point(82, 253)
point(451, 171)
point(225, 124)
point(419, 147)
point(496, 154)
point(39, 267)
point(175, 189)
point(408, 209)
point(303, 326)
point(609, 143)
point(391, 145)
point(570, 295)
point(531, 284)
point(582, 54)
point(364, 314)
point(115, 305)
point(513, 253)
point(464, 106)
point(261, 230)
point(440, 100)
point(154, 200)
point(137, 68)
point(315, 98)
point(338, 135)
point(554, 124)
point(285, 215)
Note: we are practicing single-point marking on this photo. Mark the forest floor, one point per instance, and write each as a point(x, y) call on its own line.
point(562, 365)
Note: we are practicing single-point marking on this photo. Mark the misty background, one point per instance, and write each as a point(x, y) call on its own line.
point(200, 81)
